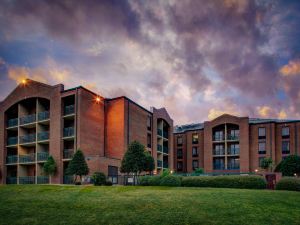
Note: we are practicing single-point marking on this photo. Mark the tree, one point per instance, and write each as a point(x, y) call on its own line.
point(266, 163)
point(78, 166)
point(136, 160)
point(99, 178)
point(289, 166)
point(149, 163)
point(49, 167)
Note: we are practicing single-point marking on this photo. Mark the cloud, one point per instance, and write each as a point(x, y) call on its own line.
point(291, 69)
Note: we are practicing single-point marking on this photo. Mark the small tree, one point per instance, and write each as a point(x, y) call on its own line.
point(149, 163)
point(266, 163)
point(78, 166)
point(289, 166)
point(49, 167)
point(198, 172)
point(99, 178)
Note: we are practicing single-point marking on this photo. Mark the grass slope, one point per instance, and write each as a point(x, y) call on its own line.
point(34, 204)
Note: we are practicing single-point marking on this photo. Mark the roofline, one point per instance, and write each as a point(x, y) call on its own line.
point(112, 99)
point(81, 87)
point(187, 131)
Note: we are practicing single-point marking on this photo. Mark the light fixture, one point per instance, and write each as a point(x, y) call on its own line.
point(98, 99)
point(24, 81)
point(256, 170)
point(295, 174)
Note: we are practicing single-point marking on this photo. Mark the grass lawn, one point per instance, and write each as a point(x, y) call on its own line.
point(37, 204)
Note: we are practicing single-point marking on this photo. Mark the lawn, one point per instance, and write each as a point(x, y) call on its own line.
point(34, 204)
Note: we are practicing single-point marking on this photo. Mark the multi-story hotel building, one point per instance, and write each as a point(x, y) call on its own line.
point(230, 144)
point(38, 120)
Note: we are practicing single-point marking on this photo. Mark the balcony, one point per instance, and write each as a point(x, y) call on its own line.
point(11, 180)
point(12, 141)
point(159, 163)
point(43, 116)
point(27, 158)
point(68, 153)
point(42, 180)
point(233, 151)
point(159, 132)
point(42, 156)
point(159, 148)
point(233, 166)
point(27, 138)
point(43, 136)
point(12, 159)
point(219, 151)
point(165, 134)
point(26, 180)
point(69, 110)
point(233, 137)
point(218, 138)
point(218, 166)
point(28, 119)
point(12, 123)
point(68, 132)
point(166, 149)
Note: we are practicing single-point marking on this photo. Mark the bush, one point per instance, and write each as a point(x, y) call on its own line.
point(108, 183)
point(289, 183)
point(154, 181)
point(99, 178)
point(165, 172)
point(289, 166)
point(144, 180)
point(198, 172)
point(172, 181)
point(247, 182)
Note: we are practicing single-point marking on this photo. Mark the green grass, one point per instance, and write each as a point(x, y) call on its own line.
point(37, 204)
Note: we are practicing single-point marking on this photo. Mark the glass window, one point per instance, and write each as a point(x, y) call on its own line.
point(179, 140)
point(179, 153)
point(149, 140)
point(219, 163)
point(262, 147)
point(179, 166)
point(219, 150)
point(285, 147)
point(218, 136)
point(195, 151)
point(285, 131)
point(195, 164)
point(235, 133)
point(261, 132)
point(195, 138)
point(149, 123)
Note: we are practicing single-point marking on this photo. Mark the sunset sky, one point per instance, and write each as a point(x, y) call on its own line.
point(198, 59)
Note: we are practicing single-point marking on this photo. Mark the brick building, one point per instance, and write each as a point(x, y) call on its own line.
point(230, 144)
point(38, 120)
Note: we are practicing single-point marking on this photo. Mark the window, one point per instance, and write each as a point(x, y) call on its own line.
point(233, 163)
point(219, 163)
point(285, 132)
point(235, 133)
point(179, 153)
point(218, 136)
point(113, 174)
point(260, 159)
point(285, 147)
point(149, 123)
point(179, 166)
point(195, 151)
point(149, 140)
point(234, 149)
point(195, 138)
point(195, 164)
point(179, 140)
point(219, 150)
point(262, 148)
point(262, 132)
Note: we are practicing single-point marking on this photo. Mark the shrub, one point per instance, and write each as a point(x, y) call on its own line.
point(144, 180)
point(165, 172)
point(289, 183)
point(172, 181)
point(266, 163)
point(99, 178)
point(198, 172)
point(108, 183)
point(248, 182)
point(154, 181)
point(289, 166)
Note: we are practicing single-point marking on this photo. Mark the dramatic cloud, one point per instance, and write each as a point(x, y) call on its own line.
point(198, 59)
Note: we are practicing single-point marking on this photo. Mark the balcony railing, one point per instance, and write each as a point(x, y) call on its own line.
point(42, 156)
point(12, 122)
point(42, 136)
point(68, 110)
point(28, 119)
point(27, 158)
point(43, 180)
point(27, 138)
point(166, 149)
point(262, 152)
point(165, 134)
point(11, 180)
point(26, 180)
point(159, 148)
point(233, 151)
point(219, 151)
point(11, 159)
point(68, 180)
point(233, 137)
point(218, 166)
point(286, 151)
point(218, 138)
point(68, 131)
point(12, 140)
point(233, 166)
point(159, 132)
point(68, 153)
point(43, 115)
point(159, 163)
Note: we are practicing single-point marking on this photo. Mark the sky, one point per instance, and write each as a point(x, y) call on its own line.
point(197, 58)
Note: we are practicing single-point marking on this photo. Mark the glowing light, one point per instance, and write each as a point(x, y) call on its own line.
point(295, 174)
point(171, 171)
point(256, 170)
point(24, 81)
point(98, 99)
point(154, 172)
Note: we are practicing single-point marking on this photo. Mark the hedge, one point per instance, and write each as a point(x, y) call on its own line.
point(171, 181)
point(289, 183)
point(232, 181)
